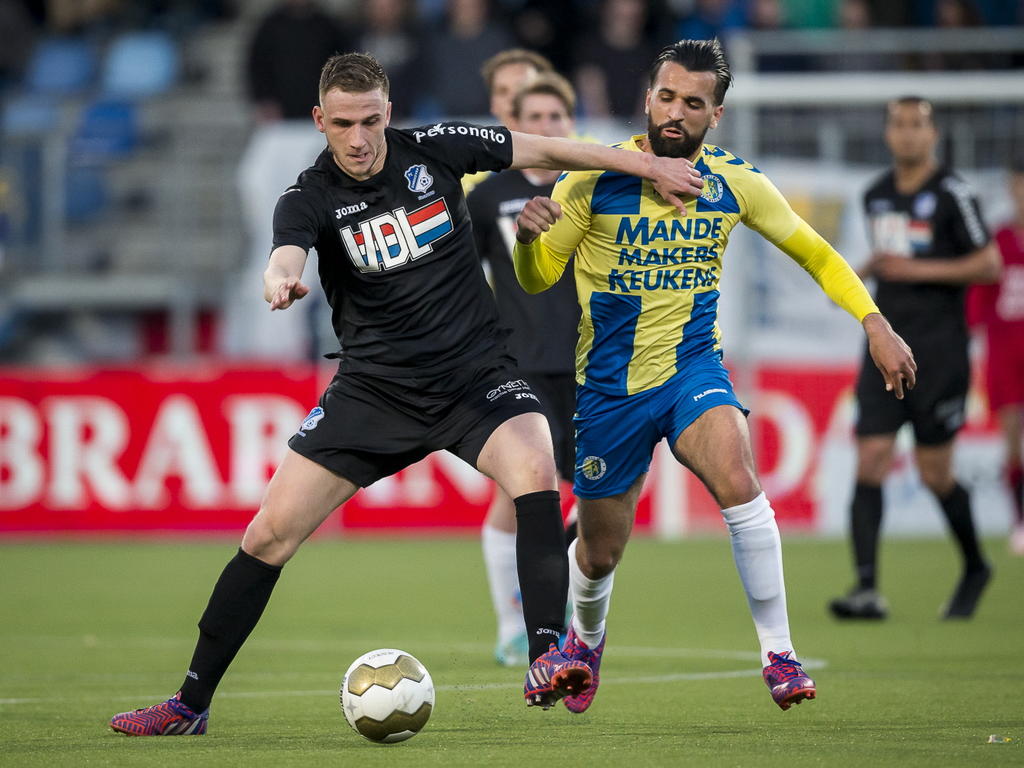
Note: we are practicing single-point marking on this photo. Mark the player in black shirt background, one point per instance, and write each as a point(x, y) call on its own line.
point(543, 341)
point(424, 365)
point(928, 243)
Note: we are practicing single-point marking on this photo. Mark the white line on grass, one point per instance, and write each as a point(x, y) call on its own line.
point(808, 663)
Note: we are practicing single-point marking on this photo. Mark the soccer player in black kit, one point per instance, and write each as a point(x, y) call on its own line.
point(544, 329)
point(928, 243)
point(424, 366)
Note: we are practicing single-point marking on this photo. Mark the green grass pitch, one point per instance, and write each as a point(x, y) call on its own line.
point(93, 628)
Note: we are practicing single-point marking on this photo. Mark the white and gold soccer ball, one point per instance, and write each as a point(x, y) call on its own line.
point(387, 695)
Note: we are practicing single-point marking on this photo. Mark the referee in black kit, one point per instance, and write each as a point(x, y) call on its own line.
point(928, 243)
point(424, 367)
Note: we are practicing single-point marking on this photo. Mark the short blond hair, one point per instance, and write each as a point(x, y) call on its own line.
point(513, 56)
point(353, 73)
point(551, 84)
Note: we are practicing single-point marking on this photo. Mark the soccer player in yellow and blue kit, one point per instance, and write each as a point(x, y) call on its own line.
point(649, 355)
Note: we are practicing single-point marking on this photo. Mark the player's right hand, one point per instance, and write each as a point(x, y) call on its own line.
point(289, 291)
point(891, 354)
point(675, 178)
point(537, 216)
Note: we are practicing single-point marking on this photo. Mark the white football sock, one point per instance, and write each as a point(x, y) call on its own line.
point(503, 577)
point(757, 550)
point(590, 599)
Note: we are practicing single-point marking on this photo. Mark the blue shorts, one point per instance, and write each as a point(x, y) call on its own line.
point(616, 434)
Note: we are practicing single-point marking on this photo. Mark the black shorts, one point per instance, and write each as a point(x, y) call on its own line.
point(936, 406)
point(367, 426)
point(557, 393)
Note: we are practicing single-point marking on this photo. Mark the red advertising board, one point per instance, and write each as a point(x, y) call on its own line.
point(189, 450)
point(156, 449)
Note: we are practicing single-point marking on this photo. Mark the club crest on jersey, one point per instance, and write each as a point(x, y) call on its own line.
point(389, 240)
point(924, 205)
point(714, 188)
point(418, 179)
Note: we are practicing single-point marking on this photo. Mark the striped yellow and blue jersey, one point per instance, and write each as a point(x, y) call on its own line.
point(647, 277)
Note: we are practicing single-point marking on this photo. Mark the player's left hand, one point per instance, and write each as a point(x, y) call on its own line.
point(675, 178)
point(891, 354)
point(538, 215)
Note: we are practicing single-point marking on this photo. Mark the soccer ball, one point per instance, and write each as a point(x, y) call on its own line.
point(387, 695)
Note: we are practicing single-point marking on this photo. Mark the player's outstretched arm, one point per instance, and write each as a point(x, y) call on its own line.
point(282, 280)
point(673, 178)
point(891, 354)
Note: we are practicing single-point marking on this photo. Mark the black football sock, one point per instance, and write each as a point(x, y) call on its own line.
point(237, 602)
point(543, 568)
point(957, 507)
point(865, 524)
point(571, 533)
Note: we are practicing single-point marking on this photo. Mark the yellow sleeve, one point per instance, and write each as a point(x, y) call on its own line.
point(767, 212)
point(539, 265)
point(763, 207)
point(829, 270)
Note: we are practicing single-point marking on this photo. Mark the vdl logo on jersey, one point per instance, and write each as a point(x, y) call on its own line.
point(390, 240)
point(418, 178)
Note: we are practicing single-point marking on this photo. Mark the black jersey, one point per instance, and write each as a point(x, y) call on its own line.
point(396, 256)
point(544, 325)
point(941, 220)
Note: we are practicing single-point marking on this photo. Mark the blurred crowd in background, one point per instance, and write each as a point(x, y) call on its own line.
point(433, 49)
point(123, 124)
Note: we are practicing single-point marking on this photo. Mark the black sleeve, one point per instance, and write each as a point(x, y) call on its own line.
point(296, 219)
point(467, 148)
point(967, 228)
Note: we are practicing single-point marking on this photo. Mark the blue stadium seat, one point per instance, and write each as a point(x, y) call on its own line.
point(108, 129)
point(86, 191)
point(139, 65)
point(61, 67)
point(29, 115)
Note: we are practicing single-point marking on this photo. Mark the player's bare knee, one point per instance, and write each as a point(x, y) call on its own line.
point(739, 486)
point(537, 472)
point(939, 481)
point(599, 561)
point(873, 462)
point(267, 541)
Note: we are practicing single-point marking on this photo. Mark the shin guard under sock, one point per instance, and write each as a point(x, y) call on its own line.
point(237, 602)
point(543, 568)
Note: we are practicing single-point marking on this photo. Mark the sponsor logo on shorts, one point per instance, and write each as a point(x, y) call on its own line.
point(312, 420)
point(706, 392)
point(593, 467)
point(519, 387)
point(951, 413)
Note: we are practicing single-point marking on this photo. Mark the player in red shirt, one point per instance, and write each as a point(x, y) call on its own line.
point(999, 307)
